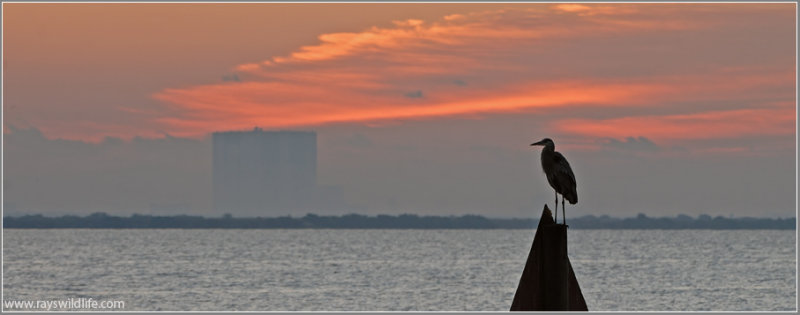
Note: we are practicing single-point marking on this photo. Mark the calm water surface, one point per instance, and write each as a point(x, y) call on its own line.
point(395, 270)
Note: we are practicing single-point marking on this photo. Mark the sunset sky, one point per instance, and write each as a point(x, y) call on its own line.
point(422, 108)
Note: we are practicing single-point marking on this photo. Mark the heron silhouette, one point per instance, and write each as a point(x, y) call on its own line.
point(559, 175)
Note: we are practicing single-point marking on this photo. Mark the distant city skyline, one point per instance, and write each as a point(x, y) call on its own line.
point(661, 109)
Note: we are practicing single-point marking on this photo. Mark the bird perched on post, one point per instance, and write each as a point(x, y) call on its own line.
point(559, 175)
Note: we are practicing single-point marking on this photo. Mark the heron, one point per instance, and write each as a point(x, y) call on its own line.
point(559, 175)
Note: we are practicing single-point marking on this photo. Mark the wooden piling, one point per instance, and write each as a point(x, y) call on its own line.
point(548, 282)
point(554, 270)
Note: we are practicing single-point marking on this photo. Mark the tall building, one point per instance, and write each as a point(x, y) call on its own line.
point(264, 173)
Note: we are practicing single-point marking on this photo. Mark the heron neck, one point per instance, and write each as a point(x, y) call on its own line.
point(547, 153)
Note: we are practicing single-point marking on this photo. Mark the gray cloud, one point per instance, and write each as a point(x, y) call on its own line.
point(414, 94)
point(161, 176)
point(460, 82)
point(490, 170)
point(630, 143)
point(232, 77)
point(359, 140)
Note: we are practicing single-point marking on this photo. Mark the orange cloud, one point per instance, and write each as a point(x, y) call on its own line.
point(314, 105)
point(704, 125)
point(515, 60)
point(572, 7)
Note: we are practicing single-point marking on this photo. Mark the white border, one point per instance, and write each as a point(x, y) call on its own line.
point(2, 138)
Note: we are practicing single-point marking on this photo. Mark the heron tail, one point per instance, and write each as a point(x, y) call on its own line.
point(572, 197)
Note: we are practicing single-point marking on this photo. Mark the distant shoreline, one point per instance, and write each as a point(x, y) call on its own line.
point(404, 221)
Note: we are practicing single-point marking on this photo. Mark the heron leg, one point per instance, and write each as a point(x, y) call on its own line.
point(564, 214)
point(556, 211)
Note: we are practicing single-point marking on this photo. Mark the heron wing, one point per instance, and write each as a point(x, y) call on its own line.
point(563, 169)
point(565, 177)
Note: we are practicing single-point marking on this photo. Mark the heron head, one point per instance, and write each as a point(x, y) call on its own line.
point(545, 142)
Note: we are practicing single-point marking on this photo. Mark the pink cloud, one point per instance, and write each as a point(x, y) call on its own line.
point(515, 60)
point(704, 125)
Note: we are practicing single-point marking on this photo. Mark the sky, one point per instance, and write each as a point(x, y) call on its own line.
point(661, 109)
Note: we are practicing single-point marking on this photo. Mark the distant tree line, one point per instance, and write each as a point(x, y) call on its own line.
point(102, 220)
point(682, 221)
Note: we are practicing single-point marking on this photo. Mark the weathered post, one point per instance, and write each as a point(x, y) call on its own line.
point(548, 282)
point(555, 270)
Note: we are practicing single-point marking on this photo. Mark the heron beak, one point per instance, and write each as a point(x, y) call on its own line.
point(537, 143)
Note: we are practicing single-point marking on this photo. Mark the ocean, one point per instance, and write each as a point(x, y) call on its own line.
point(395, 270)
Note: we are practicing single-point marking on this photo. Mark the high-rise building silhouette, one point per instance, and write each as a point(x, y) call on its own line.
point(264, 173)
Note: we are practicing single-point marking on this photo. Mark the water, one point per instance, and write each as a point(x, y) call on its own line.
point(395, 270)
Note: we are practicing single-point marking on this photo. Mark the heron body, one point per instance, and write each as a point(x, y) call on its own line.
point(559, 174)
